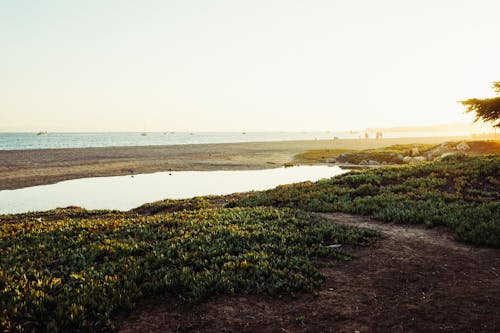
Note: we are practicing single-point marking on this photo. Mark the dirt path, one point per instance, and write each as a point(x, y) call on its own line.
point(413, 280)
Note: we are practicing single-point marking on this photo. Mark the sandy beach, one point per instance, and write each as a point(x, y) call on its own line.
point(23, 168)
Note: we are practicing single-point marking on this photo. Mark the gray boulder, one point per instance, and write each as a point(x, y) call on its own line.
point(462, 146)
point(407, 159)
point(343, 158)
point(445, 155)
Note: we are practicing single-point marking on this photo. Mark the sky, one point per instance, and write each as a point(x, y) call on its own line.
point(232, 65)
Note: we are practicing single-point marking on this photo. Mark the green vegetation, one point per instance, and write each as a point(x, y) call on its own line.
point(460, 192)
point(388, 155)
point(59, 213)
point(394, 154)
point(65, 274)
point(71, 269)
point(318, 155)
point(176, 205)
point(487, 109)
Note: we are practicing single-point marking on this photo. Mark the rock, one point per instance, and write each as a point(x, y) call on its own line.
point(363, 162)
point(373, 162)
point(463, 146)
point(400, 157)
point(445, 155)
point(342, 158)
point(407, 159)
point(414, 152)
point(419, 159)
point(331, 160)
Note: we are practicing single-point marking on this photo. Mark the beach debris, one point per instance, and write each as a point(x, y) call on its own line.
point(334, 246)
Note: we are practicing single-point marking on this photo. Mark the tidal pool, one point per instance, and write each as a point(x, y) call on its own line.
point(127, 192)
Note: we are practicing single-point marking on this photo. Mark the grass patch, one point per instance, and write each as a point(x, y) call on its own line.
point(72, 274)
point(319, 155)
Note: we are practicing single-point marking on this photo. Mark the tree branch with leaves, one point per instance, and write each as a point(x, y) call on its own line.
point(487, 109)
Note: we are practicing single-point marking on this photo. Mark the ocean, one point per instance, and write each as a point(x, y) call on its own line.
point(23, 141)
point(11, 141)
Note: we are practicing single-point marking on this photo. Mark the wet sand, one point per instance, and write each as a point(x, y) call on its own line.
point(23, 168)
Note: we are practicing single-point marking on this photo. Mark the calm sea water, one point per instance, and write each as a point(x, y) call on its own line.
point(127, 192)
point(13, 141)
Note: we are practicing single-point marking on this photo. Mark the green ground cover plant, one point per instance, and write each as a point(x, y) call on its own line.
point(66, 274)
point(460, 192)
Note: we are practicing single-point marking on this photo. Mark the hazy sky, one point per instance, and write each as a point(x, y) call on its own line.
point(243, 65)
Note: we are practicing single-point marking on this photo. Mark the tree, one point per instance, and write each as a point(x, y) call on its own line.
point(487, 109)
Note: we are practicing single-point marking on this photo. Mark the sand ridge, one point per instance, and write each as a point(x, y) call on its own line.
point(23, 168)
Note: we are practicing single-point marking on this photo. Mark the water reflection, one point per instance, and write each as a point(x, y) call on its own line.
point(126, 192)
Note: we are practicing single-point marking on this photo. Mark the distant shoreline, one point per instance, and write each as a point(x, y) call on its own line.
point(24, 168)
point(63, 140)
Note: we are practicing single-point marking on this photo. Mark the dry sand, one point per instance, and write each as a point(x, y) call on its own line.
point(23, 168)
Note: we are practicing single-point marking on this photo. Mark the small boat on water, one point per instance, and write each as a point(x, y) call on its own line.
point(144, 134)
point(42, 133)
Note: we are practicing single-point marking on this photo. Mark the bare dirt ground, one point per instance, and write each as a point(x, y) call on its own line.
point(22, 168)
point(412, 280)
